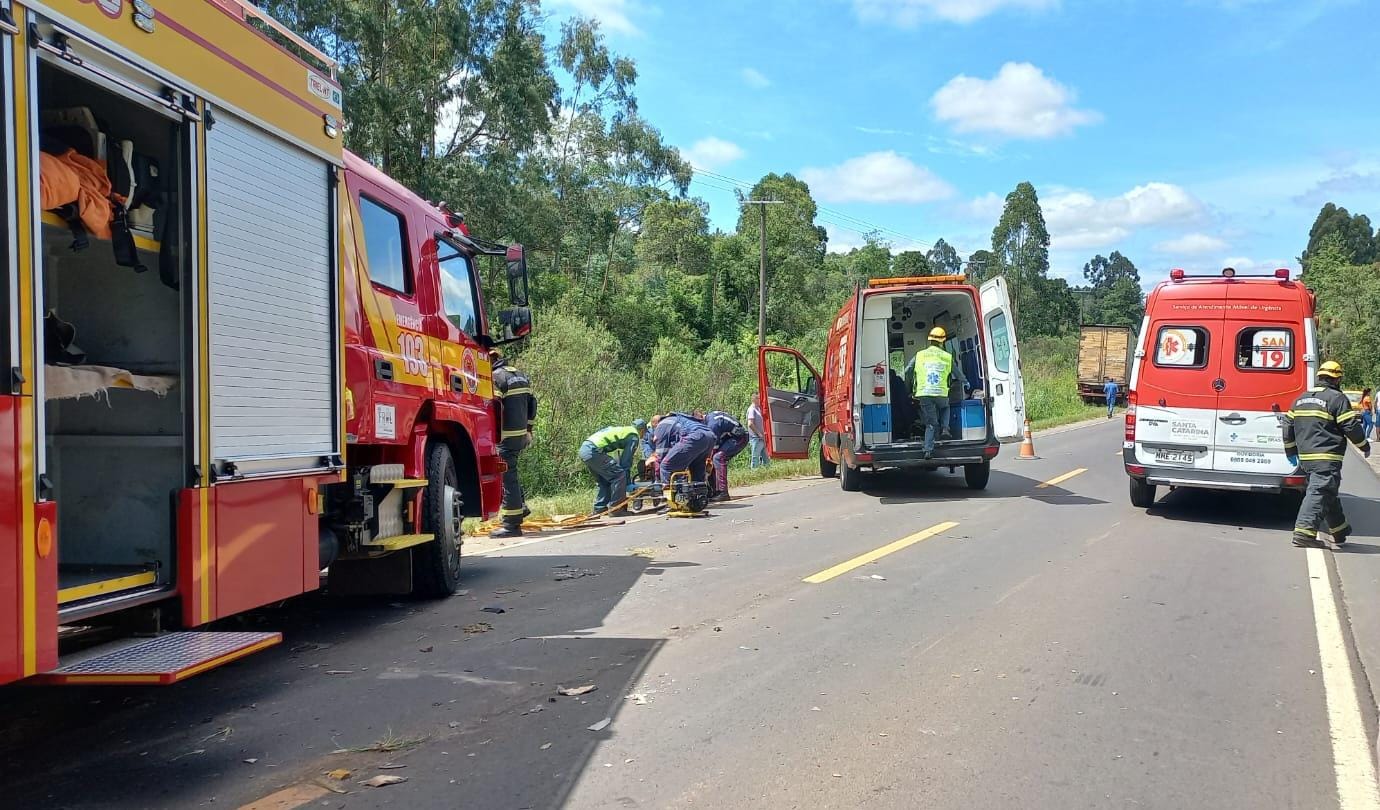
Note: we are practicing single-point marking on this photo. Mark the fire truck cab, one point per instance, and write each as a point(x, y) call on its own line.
point(236, 354)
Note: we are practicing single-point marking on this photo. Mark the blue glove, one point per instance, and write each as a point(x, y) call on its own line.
point(1294, 460)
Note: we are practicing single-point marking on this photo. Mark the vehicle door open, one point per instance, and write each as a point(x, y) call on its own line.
point(1003, 361)
point(790, 395)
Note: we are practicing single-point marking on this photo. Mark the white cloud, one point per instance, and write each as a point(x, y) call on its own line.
point(754, 78)
point(712, 153)
point(1244, 264)
point(1019, 102)
point(842, 240)
point(1077, 219)
point(984, 207)
point(613, 15)
point(878, 177)
point(1192, 244)
point(910, 13)
point(880, 131)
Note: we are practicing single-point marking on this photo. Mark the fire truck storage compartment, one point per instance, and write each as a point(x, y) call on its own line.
point(895, 328)
point(271, 233)
point(114, 422)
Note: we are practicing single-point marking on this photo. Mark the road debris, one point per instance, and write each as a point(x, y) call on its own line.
point(391, 766)
point(383, 780)
point(545, 746)
point(638, 699)
point(493, 609)
point(602, 724)
point(878, 576)
point(568, 573)
point(576, 691)
point(642, 552)
point(478, 627)
point(340, 774)
point(425, 649)
point(251, 760)
point(532, 710)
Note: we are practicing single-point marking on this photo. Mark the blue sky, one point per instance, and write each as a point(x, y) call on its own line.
point(1190, 133)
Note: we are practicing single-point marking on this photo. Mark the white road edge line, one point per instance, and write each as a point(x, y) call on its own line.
point(1355, 770)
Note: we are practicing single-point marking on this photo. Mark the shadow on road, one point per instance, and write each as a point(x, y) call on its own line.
point(894, 487)
point(1255, 511)
point(458, 695)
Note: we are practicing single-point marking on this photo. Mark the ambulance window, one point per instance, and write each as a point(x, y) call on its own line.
point(1265, 348)
point(384, 236)
point(1001, 341)
point(1181, 347)
point(457, 292)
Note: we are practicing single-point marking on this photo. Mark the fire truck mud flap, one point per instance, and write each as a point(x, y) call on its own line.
point(157, 661)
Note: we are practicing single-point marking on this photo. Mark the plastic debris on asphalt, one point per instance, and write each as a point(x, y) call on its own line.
point(576, 691)
point(602, 724)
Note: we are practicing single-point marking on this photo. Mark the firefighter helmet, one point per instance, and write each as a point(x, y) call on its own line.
point(938, 334)
point(1331, 369)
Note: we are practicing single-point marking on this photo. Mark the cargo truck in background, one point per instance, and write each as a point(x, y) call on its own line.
point(1104, 351)
point(236, 354)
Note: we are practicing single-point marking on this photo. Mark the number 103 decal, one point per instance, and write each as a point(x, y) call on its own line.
point(414, 354)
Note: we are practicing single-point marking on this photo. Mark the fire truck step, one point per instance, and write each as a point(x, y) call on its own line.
point(405, 483)
point(76, 583)
point(161, 660)
point(397, 542)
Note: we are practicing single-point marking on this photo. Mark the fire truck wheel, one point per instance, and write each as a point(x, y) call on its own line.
point(850, 477)
point(827, 468)
point(436, 565)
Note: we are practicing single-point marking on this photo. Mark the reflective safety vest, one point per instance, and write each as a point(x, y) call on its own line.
point(934, 367)
point(613, 438)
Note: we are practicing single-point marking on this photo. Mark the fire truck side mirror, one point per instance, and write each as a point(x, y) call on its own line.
point(517, 278)
point(516, 323)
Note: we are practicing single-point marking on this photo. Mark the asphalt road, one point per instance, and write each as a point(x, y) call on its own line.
point(1033, 646)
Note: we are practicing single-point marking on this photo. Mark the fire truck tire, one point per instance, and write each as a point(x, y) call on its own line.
point(436, 565)
point(827, 468)
point(850, 477)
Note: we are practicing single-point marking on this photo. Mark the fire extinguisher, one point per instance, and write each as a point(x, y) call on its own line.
point(879, 380)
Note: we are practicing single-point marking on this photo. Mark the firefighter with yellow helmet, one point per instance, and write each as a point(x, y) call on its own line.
point(1316, 430)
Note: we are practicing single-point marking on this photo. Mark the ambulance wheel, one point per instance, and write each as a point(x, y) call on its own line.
point(977, 475)
point(827, 468)
point(850, 477)
point(436, 565)
point(1142, 494)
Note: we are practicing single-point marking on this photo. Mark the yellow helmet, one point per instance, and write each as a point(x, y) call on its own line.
point(1330, 369)
point(939, 334)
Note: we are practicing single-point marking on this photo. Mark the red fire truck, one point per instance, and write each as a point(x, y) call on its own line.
point(237, 354)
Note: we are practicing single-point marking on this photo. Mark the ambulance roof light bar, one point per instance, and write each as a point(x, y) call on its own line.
point(1177, 274)
point(905, 280)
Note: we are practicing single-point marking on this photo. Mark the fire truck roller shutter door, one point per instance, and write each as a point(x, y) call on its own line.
point(272, 300)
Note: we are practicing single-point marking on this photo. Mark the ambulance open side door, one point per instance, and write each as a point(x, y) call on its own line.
point(1007, 388)
point(790, 414)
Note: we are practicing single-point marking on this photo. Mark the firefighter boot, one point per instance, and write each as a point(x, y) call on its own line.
point(506, 530)
point(1305, 540)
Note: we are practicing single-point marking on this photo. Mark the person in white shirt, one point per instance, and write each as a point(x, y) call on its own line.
point(756, 437)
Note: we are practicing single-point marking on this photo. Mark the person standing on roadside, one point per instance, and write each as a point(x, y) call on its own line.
point(1316, 431)
point(757, 438)
point(517, 410)
point(1367, 411)
point(1111, 391)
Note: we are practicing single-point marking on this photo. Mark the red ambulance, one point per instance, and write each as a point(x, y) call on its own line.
point(861, 398)
point(1219, 359)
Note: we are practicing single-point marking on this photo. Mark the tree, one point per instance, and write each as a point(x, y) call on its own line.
point(675, 233)
point(1124, 304)
point(1104, 271)
point(982, 265)
point(944, 260)
point(910, 264)
point(795, 254)
point(1020, 242)
point(1355, 240)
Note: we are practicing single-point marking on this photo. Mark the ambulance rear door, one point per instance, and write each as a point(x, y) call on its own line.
point(1003, 360)
point(1178, 383)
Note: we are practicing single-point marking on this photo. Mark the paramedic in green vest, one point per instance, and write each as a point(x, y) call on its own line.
point(934, 367)
point(610, 471)
point(1316, 431)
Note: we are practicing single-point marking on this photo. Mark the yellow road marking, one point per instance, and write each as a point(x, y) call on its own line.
point(1351, 758)
point(876, 554)
point(1061, 478)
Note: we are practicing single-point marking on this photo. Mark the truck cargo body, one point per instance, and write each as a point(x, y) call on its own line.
point(1104, 351)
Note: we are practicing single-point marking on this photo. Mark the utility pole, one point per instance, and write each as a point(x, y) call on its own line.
point(762, 271)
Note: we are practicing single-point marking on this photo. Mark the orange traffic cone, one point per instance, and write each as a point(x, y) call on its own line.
point(1027, 444)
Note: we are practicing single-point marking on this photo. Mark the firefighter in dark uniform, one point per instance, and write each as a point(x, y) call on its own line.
point(1316, 431)
point(517, 409)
